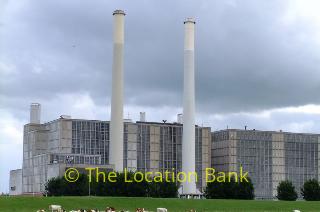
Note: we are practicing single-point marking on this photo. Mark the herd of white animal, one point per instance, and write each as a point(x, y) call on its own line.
point(58, 208)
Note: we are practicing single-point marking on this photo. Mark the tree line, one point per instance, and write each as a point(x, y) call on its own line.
point(59, 186)
point(230, 189)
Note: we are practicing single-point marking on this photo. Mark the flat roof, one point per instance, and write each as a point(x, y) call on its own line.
point(137, 122)
point(267, 131)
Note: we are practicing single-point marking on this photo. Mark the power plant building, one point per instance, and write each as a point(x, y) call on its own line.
point(51, 148)
point(268, 156)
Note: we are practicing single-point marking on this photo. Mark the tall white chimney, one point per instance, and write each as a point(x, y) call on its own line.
point(35, 113)
point(116, 123)
point(188, 137)
point(142, 116)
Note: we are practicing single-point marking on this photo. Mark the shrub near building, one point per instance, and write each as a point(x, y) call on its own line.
point(286, 191)
point(230, 189)
point(311, 190)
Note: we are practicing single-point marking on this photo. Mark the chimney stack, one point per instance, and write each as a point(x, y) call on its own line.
point(116, 123)
point(180, 118)
point(188, 137)
point(142, 116)
point(35, 113)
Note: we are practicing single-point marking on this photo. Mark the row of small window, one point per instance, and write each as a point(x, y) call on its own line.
point(300, 138)
point(143, 146)
point(144, 129)
point(75, 159)
point(169, 165)
point(89, 151)
point(250, 137)
point(306, 157)
point(90, 135)
point(86, 125)
point(302, 173)
point(255, 143)
point(88, 147)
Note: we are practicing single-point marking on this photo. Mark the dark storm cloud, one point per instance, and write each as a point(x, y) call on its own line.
point(256, 62)
point(247, 58)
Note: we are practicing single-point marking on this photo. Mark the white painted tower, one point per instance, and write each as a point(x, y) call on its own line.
point(188, 137)
point(116, 123)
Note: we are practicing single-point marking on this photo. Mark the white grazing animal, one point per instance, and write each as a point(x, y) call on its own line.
point(55, 208)
point(162, 210)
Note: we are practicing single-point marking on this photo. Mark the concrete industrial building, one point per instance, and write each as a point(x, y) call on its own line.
point(268, 156)
point(51, 148)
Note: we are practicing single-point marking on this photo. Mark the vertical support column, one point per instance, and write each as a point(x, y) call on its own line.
point(116, 124)
point(278, 161)
point(188, 137)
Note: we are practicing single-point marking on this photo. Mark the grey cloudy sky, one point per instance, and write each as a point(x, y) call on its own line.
point(257, 63)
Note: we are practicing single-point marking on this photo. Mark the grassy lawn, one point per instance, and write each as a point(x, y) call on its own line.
point(173, 205)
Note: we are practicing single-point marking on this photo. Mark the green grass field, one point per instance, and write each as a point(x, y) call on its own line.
point(173, 205)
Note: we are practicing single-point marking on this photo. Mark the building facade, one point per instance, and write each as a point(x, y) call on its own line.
point(268, 156)
point(15, 183)
point(158, 147)
point(51, 148)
